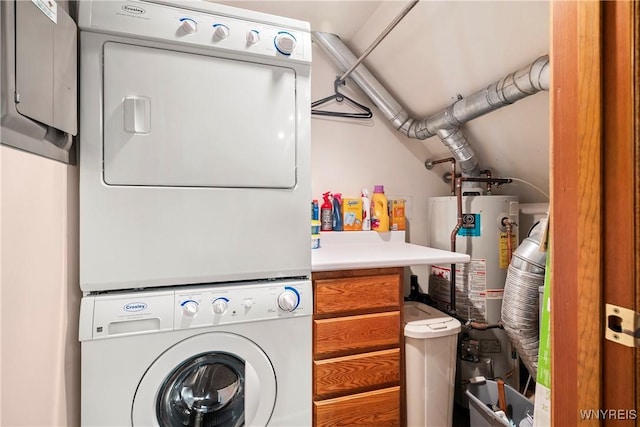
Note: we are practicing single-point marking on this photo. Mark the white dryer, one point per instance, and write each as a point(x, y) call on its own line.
point(194, 144)
point(198, 356)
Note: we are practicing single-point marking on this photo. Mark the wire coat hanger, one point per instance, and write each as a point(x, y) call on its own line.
point(340, 80)
point(339, 97)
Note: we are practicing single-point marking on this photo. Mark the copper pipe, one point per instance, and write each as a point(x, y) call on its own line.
point(509, 227)
point(483, 326)
point(487, 172)
point(453, 175)
point(429, 164)
point(454, 232)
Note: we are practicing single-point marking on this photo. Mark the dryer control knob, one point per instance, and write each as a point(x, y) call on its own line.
point(220, 305)
point(189, 308)
point(221, 32)
point(288, 300)
point(253, 37)
point(189, 26)
point(285, 43)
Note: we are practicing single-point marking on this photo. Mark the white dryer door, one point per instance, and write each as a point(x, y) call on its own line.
point(212, 379)
point(187, 120)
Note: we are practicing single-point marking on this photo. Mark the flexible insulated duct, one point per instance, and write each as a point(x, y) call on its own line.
point(511, 88)
point(520, 305)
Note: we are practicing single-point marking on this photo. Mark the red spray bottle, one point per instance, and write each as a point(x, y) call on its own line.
point(326, 216)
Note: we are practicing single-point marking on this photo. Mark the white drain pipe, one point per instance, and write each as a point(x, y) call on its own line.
point(511, 88)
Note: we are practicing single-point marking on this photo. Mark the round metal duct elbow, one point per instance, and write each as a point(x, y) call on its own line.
point(520, 306)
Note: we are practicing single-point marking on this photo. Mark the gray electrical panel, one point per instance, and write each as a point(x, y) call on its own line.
point(38, 78)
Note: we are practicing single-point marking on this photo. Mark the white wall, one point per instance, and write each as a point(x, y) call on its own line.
point(39, 292)
point(39, 349)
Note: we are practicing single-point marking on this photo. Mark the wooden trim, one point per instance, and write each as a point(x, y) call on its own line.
point(619, 198)
point(564, 344)
point(576, 205)
point(636, 112)
point(590, 304)
point(341, 274)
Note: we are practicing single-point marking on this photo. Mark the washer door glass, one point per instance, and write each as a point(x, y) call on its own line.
point(207, 390)
point(210, 379)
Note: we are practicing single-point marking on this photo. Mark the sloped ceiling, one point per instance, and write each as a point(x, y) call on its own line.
point(344, 18)
point(443, 49)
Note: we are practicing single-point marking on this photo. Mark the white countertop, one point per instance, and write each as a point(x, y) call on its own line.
point(344, 250)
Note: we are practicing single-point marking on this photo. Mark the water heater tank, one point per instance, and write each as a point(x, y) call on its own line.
point(479, 283)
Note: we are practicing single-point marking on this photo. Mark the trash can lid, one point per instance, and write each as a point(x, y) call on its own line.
point(423, 321)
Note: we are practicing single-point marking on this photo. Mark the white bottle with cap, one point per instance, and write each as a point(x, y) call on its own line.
point(366, 210)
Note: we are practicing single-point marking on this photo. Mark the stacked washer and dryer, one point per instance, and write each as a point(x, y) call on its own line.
point(195, 258)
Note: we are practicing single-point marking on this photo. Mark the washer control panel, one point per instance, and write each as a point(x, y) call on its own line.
point(186, 307)
point(200, 25)
point(226, 304)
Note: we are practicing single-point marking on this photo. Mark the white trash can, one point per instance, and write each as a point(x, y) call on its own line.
point(431, 339)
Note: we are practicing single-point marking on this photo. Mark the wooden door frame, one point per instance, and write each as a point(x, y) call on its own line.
point(575, 224)
point(594, 193)
point(620, 197)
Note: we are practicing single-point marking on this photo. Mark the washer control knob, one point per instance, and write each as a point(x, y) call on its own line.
point(189, 26)
point(289, 299)
point(220, 305)
point(248, 303)
point(285, 42)
point(253, 37)
point(189, 308)
point(220, 32)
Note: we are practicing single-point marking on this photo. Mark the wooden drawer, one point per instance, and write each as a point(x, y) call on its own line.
point(370, 293)
point(354, 374)
point(375, 408)
point(353, 334)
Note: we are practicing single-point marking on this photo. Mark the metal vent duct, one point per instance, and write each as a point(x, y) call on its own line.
point(521, 298)
point(446, 123)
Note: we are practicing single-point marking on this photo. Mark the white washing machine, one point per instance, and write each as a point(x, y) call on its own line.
point(221, 355)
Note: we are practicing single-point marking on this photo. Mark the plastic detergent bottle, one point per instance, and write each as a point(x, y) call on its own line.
point(326, 217)
point(337, 212)
point(366, 210)
point(379, 209)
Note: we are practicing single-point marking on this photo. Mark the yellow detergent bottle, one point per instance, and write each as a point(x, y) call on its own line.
point(379, 209)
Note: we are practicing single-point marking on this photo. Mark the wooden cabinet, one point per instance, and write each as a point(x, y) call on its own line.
point(357, 348)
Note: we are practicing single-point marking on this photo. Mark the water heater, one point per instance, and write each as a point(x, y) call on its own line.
point(479, 283)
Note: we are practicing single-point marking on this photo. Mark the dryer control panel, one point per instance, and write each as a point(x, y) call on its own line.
point(200, 25)
point(130, 313)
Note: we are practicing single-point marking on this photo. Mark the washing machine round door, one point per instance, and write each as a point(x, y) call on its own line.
point(212, 379)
